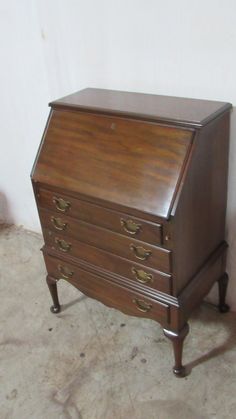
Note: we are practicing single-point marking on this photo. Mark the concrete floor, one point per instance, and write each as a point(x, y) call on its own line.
point(93, 362)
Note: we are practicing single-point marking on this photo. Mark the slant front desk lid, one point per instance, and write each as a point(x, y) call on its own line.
point(120, 160)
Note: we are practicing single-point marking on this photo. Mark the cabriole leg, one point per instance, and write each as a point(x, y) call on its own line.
point(177, 339)
point(222, 284)
point(52, 285)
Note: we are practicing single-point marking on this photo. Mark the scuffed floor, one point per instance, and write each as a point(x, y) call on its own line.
point(92, 362)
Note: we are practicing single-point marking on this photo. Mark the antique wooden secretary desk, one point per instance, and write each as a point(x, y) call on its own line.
point(131, 192)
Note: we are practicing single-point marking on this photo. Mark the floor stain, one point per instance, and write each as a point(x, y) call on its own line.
point(12, 341)
point(12, 395)
point(164, 409)
point(160, 340)
point(66, 394)
point(134, 352)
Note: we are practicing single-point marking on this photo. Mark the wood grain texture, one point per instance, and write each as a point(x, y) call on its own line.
point(117, 244)
point(101, 216)
point(132, 163)
point(115, 295)
point(108, 160)
point(184, 111)
point(109, 265)
point(199, 219)
point(200, 285)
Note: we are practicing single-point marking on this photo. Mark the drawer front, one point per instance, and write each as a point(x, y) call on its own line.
point(123, 267)
point(94, 214)
point(109, 293)
point(134, 250)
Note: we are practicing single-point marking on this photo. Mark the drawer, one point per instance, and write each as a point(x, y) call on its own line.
point(110, 293)
point(134, 250)
point(94, 214)
point(157, 280)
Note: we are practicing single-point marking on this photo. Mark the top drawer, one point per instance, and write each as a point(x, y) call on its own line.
point(94, 214)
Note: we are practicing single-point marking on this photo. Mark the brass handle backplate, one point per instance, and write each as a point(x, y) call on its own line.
point(140, 252)
point(142, 305)
point(130, 226)
point(61, 204)
point(63, 245)
point(58, 223)
point(142, 276)
point(65, 272)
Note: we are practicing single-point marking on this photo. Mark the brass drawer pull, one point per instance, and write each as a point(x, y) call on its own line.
point(63, 245)
point(130, 226)
point(142, 276)
point(142, 305)
point(58, 223)
point(140, 252)
point(61, 204)
point(65, 272)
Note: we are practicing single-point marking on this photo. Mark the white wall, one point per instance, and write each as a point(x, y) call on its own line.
point(49, 48)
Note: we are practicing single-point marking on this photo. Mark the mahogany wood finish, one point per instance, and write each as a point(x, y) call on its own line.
point(52, 285)
point(157, 258)
point(109, 263)
point(117, 295)
point(180, 111)
point(223, 283)
point(131, 192)
point(144, 177)
point(178, 340)
point(103, 217)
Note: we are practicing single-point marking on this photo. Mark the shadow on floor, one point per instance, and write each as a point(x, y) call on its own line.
point(229, 323)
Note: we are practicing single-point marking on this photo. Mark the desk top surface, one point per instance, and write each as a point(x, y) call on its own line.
point(175, 110)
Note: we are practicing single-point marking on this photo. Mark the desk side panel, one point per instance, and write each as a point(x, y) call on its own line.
point(199, 218)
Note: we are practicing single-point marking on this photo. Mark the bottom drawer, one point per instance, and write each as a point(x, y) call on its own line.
point(109, 293)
